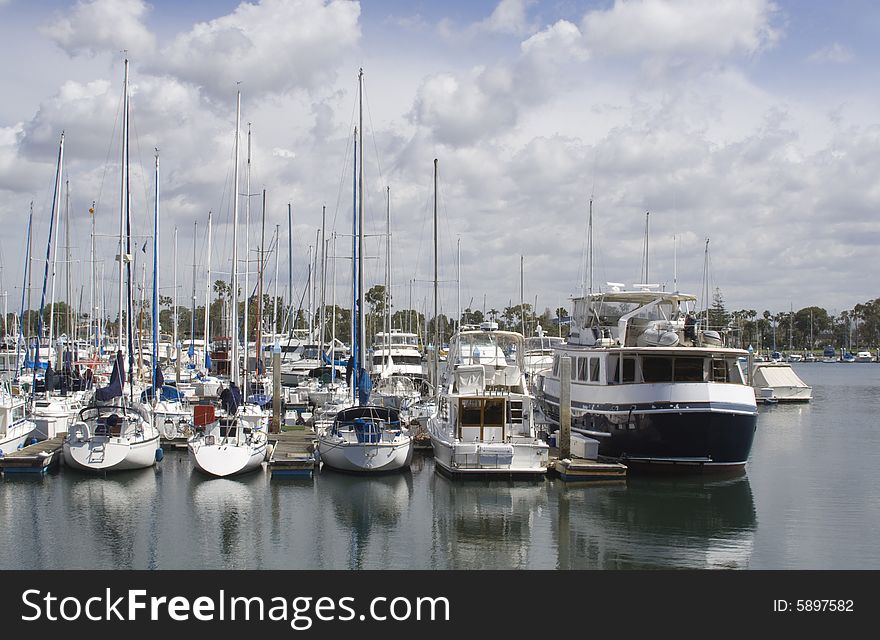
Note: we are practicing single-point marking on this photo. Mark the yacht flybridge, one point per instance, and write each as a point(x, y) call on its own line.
point(652, 386)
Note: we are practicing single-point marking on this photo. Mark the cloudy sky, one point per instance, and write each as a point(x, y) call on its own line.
point(750, 123)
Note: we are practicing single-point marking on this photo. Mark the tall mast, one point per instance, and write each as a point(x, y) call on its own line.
point(647, 215)
point(93, 301)
point(522, 299)
point(259, 323)
point(234, 293)
point(208, 297)
point(315, 283)
point(458, 280)
point(156, 283)
point(275, 308)
point(290, 318)
point(71, 327)
point(309, 290)
point(174, 293)
point(360, 253)
point(386, 321)
point(355, 320)
point(123, 203)
point(30, 270)
point(192, 315)
point(55, 201)
point(54, 243)
point(247, 269)
point(322, 323)
point(27, 263)
point(436, 318)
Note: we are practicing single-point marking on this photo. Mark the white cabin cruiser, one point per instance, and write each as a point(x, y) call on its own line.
point(651, 387)
point(486, 419)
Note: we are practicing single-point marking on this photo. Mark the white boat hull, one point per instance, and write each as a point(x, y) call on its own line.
point(107, 453)
point(526, 457)
point(343, 455)
point(223, 460)
point(19, 436)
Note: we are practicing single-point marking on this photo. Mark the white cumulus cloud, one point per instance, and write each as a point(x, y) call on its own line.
point(93, 26)
point(272, 46)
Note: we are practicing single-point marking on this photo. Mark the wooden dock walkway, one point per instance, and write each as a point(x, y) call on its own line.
point(580, 470)
point(35, 458)
point(293, 453)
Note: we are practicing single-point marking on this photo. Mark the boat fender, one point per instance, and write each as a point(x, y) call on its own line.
point(1, 453)
point(159, 454)
point(33, 441)
point(20, 445)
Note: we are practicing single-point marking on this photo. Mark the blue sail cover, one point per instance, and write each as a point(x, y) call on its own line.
point(365, 386)
point(114, 389)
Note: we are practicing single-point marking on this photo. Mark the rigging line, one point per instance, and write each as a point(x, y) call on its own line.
point(349, 140)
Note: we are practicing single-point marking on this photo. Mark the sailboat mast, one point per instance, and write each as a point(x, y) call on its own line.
point(436, 318)
point(647, 240)
point(192, 315)
point(247, 244)
point(156, 283)
point(27, 263)
point(71, 327)
point(93, 301)
point(123, 199)
point(387, 319)
point(174, 293)
point(208, 297)
point(322, 323)
point(360, 254)
point(290, 318)
point(522, 299)
point(234, 293)
point(55, 201)
point(354, 288)
point(259, 321)
point(458, 280)
point(54, 243)
point(275, 307)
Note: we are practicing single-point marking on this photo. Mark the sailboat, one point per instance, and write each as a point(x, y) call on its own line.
point(228, 443)
point(364, 437)
point(115, 432)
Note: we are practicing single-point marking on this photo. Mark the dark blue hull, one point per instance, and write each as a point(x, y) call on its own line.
point(704, 441)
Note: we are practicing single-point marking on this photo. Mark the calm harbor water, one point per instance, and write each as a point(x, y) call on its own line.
point(808, 500)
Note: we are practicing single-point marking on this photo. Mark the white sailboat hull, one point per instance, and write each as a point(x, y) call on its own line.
point(337, 453)
point(223, 460)
point(18, 435)
point(107, 453)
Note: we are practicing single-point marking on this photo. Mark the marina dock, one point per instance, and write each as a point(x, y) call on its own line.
point(293, 453)
point(36, 458)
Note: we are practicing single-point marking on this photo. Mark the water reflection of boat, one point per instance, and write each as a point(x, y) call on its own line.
point(657, 523)
point(364, 506)
point(109, 520)
point(228, 518)
point(487, 523)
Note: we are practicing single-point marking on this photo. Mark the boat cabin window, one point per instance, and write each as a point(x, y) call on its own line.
point(470, 412)
point(629, 370)
point(689, 370)
point(657, 369)
point(583, 369)
point(481, 418)
point(594, 369)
